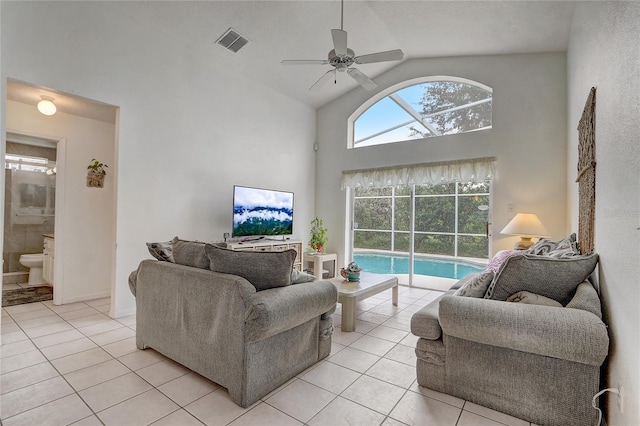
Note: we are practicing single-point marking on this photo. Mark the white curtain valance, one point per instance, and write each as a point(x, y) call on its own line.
point(470, 170)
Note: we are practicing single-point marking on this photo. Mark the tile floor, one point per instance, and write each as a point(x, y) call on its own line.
point(73, 364)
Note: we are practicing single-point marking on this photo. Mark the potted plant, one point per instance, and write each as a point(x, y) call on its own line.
point(351, 272)
point(318, 235)
point(96, 173)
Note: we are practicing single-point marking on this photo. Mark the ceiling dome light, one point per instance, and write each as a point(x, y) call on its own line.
point(46, 105)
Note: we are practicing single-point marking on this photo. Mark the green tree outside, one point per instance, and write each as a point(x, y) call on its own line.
point(435, 215)
point(445, 95)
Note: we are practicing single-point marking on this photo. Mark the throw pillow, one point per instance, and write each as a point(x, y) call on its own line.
point(542, 247)
point(161, 251)
point(499, 259)
point(566, 247)
point(532, 299)
point(475, 284)
point(543, 275)
point(263, 269)
point(298, 277)
point(190, 253)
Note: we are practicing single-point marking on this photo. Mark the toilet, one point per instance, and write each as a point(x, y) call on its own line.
point(34, 263)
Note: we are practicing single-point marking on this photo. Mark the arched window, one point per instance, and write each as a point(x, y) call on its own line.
point(422, 108)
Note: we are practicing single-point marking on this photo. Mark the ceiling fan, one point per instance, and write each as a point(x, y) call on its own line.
point(342, 58)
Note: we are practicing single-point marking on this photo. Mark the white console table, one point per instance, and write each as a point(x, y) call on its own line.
point(271, 245)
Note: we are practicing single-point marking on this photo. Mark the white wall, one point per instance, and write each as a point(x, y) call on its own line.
point(189, 129)
point(604, 52)
point(85, 247)
point(528, 139)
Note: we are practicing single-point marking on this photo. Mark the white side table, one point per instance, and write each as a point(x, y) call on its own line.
point(318, 260)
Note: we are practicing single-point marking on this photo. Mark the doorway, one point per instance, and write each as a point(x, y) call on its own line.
point(84, 230)
point(30, 177)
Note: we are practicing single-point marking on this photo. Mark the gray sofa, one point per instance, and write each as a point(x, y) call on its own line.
point(221, 327)
point(538, 363)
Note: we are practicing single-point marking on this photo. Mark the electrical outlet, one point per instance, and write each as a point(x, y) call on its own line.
point(620, 399)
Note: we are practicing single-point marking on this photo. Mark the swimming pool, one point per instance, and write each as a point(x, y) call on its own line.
point(399, 264)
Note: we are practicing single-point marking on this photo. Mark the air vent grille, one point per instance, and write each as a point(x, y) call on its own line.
point(232, 41)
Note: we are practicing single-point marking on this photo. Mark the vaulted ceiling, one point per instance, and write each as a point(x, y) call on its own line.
point(300, 29)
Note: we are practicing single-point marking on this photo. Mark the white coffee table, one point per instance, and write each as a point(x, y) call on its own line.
point(349, 293)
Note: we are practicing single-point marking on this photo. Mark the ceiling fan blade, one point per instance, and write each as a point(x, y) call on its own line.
point(323, 80)
point(339, 42)
point(389, 55)
point(304, 62)
point(362, 79)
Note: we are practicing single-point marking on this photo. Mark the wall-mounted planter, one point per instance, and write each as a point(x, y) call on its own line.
point(95, 180)
point(96, 173)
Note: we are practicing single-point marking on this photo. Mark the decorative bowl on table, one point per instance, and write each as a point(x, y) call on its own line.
point(351, 273)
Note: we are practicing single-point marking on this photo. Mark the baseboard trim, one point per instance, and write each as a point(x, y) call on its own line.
point(125, 313)
point(86, 297)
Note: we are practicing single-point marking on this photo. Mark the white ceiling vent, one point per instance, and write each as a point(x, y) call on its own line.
point(232, 40)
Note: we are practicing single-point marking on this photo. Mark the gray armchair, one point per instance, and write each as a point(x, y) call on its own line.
point(219, 326)
point(537, 363)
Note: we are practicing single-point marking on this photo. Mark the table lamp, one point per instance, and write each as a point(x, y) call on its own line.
point(526, 225)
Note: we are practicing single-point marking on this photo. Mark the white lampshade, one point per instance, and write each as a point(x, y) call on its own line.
point(46, 105)
point(526, 225)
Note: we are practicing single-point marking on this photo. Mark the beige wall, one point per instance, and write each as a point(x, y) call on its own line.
point(85, 217)
point(528, 139)
point(604, 52)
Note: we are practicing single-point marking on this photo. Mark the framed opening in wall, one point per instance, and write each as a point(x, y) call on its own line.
point(417, 231)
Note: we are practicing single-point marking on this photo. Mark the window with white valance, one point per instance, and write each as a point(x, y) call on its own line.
point(466, 171)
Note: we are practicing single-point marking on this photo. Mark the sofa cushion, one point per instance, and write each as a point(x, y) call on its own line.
point(263, 269)
point(556, 278)
point(298, 277)
point(498, 259)
point(475, 284)
point(190, 253)
point(566, 247)
point(529, 298)
point(161, 251)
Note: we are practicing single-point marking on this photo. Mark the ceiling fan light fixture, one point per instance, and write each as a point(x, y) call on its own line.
point(341, 58)
point(46, 105)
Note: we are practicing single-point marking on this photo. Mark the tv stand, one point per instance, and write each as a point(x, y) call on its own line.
point(250, 239)
point(263, 244)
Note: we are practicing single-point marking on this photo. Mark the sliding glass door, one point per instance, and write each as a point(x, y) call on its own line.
point(395, 229)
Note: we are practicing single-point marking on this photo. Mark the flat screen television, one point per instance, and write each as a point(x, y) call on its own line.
point(261, 212)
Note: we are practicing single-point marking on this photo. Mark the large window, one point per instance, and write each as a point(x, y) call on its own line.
point(435, 106)
point(449, 219)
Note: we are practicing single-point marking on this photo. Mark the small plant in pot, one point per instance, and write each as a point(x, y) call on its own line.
point(96, 173)
point(318, 235)
point(351, 272)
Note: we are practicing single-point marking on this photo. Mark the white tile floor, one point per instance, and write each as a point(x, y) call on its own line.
point(73, 364)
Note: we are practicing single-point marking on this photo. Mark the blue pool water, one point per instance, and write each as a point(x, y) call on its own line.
point(398, 264)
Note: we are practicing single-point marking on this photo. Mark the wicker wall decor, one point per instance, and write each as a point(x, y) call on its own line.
point(587, 175)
